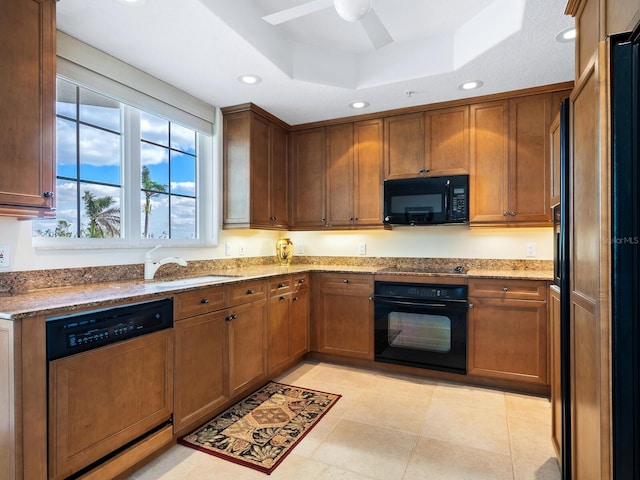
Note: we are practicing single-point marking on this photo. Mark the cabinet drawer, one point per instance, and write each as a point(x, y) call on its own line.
point(280, 286)
point(300, 282)
point(246, 292)
point(508, 289)
point(196, 302)
point(352, 281)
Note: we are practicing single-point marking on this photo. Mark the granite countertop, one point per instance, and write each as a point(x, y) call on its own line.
point(56, 300)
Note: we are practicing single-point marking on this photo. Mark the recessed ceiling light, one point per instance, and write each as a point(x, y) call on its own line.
point(470, 85)
point(249, 79)
point(133, 3)
point(359, 104)
point(566, 35)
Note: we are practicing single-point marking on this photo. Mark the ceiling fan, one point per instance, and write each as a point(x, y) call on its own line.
point(349, 10)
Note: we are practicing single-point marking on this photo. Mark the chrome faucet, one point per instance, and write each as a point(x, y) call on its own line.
point(151, 267)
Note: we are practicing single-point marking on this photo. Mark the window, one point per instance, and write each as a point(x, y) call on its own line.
point(124, 175)
point(133, 170)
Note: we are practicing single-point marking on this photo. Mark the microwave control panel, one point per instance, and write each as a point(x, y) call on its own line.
point(458, 203)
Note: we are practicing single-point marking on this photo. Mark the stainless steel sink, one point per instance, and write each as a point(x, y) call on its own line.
point(189, 282)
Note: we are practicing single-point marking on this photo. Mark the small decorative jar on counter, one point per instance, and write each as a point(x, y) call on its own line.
point(284, 251)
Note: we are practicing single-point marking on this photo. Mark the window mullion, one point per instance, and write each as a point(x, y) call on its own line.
point(131, 172)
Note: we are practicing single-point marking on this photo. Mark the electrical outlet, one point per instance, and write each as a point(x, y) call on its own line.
point(531, 249)
point(4, 256)
point(241, 249)
point(227, 249)
point(298, 248)
point(362, 249)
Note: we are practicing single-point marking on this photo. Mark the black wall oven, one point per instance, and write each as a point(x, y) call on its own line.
point(421, 325)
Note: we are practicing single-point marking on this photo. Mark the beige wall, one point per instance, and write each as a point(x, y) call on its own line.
point(435, 242)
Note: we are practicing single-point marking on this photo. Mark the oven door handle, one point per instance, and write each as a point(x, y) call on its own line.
point(410, 304)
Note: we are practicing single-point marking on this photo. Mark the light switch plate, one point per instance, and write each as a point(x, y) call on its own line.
point(227, 249)
point(241, 249)
point(298, 248)
point(362, 249)
point(5, 259)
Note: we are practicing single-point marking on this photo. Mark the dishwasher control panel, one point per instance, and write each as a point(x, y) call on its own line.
point(88, 330)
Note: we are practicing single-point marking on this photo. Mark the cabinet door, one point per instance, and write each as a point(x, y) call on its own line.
point(554, 160)
point(340, 174)
point(299, 328)
point(200, 365)
point(27, 107)
point(367, 173)
point(508, 339)
point(529, 177)
point(447, 141)
point(344, 315)
point(260, 172)
point(404, 145)
point(308, 183)
point(247, 341)
point(488, 176)
point(556, 395)
point(237, 169)
point(279, 177)
point(279, 331)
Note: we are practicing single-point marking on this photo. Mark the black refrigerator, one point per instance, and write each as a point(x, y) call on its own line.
point(625, 257)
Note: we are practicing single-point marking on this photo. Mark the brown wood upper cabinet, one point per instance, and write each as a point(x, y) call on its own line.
point(337, 176)
point(354, 174)
point(255, 145)
point(308, 178)
point(27, 108)
point(509, 164)
point(432, 143)
point(554, 160)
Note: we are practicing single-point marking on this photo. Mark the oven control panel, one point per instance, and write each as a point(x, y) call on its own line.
point(419, 291)
point(87, 330)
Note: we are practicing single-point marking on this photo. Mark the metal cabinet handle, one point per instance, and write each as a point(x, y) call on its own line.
point(505, 289)
point(250, 292)
point(204, 301)
point(300, 281)
point(281, 285)
point(471, 305)
point(370, 298)
point(233, 316)
point(295, 299)
point(513, 214)
point(48, 195)
point(281, 298)
point(505, 214)
point(345, 281)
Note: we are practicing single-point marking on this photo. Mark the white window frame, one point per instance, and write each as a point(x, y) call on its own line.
point(137, 91)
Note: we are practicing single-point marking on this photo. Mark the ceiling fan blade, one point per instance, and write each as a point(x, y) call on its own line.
point(376, 31)
point(296, 12)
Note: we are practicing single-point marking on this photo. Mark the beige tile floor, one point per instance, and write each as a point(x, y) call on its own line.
point(390, 427)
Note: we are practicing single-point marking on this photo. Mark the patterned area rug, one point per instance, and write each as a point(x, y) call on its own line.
point(261, 430)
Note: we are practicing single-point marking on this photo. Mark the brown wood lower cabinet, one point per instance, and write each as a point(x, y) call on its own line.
point(219, 354)
point(507, 335)
point(288, 325)
point(343, 314)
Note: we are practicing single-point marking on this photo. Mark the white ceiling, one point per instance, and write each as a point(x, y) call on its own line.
point(314, 66)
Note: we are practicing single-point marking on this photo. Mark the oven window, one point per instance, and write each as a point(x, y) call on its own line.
point(419, 331)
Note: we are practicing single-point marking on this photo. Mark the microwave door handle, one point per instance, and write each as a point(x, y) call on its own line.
point(446, 199)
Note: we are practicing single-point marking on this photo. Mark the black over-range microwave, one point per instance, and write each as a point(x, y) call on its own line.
point(426, 200)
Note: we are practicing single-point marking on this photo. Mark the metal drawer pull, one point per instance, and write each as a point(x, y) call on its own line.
point(301, 281)
point(204, 300)
point(345, 281)
point(250, 292)
point(281, 285)
point(505, 289)
point(471, 305)
point(282, 298)
point(48, 195)
point(295, 299)
point(233, 316)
